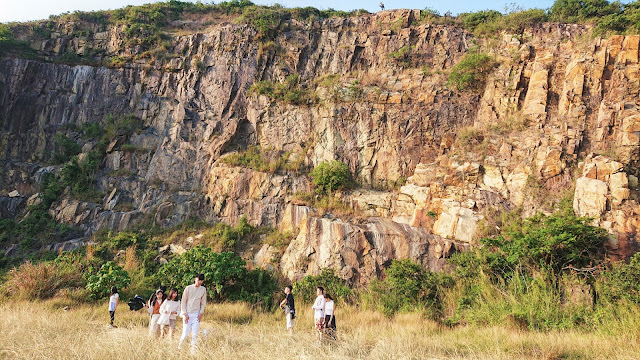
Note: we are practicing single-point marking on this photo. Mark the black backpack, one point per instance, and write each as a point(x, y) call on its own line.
point(136, 303)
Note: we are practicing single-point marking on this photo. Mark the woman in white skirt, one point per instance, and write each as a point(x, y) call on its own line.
point(168, 312)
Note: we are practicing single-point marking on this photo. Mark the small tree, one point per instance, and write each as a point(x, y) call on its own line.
point(552, 243)
point(331, 176)
point(226, 275)
point(110, 274)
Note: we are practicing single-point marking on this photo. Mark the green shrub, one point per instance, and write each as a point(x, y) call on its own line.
point(230, 237)
point(257, 287)
point(123, 239)
point(234, 6)
point(331, 176)
point(91, 130)
point(110, 274)
point(305, 289)
point(615, 23)
point(575, 11)
point(288, 91)
point(64, 148)
point(471, 72)
point(257, 159)
point(268, 21)
point(521, 274)
point(554, 243)
point(125, 125)
point(514, 22)
point(620, 282)
point(251, 158)
point(80, 175)
point(534, 303)
point(404, 55)
point(226, 276)
point(471, 20)
point(407, 286)
point(10, 45)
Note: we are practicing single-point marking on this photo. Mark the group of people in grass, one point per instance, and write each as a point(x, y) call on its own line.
point(324, 313)
point(164, 310)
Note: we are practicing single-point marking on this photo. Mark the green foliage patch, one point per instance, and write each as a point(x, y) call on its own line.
point(9, 44)
point(305, 289)
point(331, 176)
point(407, 286)
point(226, 276)
point(258, 159)
point(288, 91)
point(110, 274)
point(64, 148)
point(470, 74)
point(403, 56)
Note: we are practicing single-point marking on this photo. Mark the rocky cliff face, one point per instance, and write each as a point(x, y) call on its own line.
point(558, 116)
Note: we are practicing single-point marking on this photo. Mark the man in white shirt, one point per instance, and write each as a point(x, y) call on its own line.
point(318, 311)
point(194, 299)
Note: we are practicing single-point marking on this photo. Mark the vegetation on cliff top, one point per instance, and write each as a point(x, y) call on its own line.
point(149, 26)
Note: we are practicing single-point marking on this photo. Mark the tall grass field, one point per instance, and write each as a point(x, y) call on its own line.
point(58, 329)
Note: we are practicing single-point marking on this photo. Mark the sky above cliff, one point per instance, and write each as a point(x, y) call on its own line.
point(25, 10)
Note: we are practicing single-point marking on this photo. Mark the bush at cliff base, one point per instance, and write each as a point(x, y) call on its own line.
point(226, 276)
point(110, 274)
point(305, 289)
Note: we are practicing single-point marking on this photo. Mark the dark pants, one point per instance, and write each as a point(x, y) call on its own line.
point(330, 326)
point(112, 315)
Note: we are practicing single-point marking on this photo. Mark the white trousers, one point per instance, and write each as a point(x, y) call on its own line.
point(190, 326)
point(153, 325)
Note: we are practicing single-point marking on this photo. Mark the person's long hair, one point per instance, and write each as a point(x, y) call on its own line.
point(177, 294)
point(114, 290)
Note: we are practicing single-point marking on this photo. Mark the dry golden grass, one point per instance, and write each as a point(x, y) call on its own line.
point(43, 330)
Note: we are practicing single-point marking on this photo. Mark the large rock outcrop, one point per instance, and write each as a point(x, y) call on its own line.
point(433, 162)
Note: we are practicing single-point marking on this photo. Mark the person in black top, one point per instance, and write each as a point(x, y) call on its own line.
point(289, 308)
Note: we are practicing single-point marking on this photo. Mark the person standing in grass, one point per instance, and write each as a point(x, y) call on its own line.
point(114, 298)
point(168, 312)
point(289, 308)
point(330, 317)
point(318, 311)
point(194, 300)
point(154, 309)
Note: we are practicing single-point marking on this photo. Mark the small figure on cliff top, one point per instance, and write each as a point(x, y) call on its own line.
point(381, 6)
